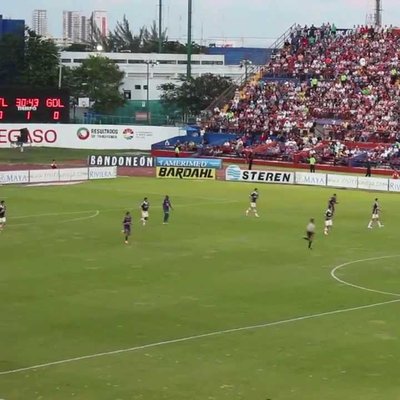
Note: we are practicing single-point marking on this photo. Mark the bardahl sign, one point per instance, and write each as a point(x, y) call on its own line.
point(120, 161)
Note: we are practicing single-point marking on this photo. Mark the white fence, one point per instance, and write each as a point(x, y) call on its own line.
point(56, 175)
point(234, 173)
point(104, 137)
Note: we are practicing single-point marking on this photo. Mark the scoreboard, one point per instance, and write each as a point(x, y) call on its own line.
point(18, 104)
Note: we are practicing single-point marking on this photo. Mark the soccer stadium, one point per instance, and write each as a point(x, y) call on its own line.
point(237, 242)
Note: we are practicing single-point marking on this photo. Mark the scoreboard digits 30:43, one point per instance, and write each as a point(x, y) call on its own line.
point(33, 105)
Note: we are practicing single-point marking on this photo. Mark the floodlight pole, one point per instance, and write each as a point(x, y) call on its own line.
point(160, 26)
point(189, 42)
point(378, 13)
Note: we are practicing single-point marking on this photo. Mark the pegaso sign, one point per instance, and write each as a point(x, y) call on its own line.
point(234, 173)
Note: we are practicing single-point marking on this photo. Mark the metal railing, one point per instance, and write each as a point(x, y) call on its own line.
point(278, 44)
point(252, 70)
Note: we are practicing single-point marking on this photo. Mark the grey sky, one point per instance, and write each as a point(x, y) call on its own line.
point(213, 18)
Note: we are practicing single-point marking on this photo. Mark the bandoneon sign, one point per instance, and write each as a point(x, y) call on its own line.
point(186, 173)
point(120, 161)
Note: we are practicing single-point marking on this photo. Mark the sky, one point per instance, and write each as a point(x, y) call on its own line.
point(241, 22)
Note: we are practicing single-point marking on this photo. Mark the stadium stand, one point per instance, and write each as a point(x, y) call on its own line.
point(332, 92)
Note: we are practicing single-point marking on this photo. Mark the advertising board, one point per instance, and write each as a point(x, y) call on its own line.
point(186, 173)
point(370, 183)
point(234, 173)
point(73, 136)
point(344, 181)
point(189, 162)
point(120, 161)
point(306, 178)
point(394, 185)
point(73, 174)
point(44, 175)
point(9, 177)
point(102, 172)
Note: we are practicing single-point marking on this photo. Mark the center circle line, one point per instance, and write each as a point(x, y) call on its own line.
point(338, 267)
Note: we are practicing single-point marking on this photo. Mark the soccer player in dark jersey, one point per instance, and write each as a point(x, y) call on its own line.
point(145, 211)
point(127, 223)
point(167, 207)
point(253, 203)
point(332, 203)
point(3, 209)
point(376, 209)
point(328, 221)
point(310, 232)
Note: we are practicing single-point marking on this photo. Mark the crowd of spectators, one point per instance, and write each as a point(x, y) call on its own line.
point(324, 84)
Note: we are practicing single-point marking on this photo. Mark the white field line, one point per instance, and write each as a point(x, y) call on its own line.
point(334, 276)
point(94, 215)
point(196, 337)
point(52, 214)
point(81, 218)
point(121, 208)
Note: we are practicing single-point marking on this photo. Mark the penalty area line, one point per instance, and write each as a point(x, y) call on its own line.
point(197, 337)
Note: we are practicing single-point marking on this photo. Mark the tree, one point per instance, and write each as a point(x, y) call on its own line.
point(124, 39)
point(151, 39)
point(194, 95)
point(98, 78)
point(11, 59)
point(41, 64)
point(30, 61)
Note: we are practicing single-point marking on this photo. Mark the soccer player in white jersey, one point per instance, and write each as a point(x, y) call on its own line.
point(376, 209)
point(310, 232)
point(328, 220)
point(2, 215)
point(145, 206)
point(253, 203)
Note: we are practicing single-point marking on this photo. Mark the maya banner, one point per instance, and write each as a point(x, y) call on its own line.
point(234, 173)
point(73, 136)
point(189, 162)
point(9, 177)
point(121, 161)
point(56, 175)
point(186, 173)
point(306, 178)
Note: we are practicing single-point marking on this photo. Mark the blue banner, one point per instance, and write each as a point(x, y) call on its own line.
point(214, 163)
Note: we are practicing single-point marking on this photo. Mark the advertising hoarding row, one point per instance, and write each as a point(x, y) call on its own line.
point(56, 175)
point(235, 173)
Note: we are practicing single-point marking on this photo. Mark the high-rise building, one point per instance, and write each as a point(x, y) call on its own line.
point(72, 26)
point(85, 29)
point(39, 22)
point(12, 26)
point(100, 21)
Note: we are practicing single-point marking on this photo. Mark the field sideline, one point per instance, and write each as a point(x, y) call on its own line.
point(212, 306)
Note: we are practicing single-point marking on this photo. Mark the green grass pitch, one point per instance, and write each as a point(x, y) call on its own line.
point(70, 287)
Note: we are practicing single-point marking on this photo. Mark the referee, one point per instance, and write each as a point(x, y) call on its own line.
point(310, 232)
